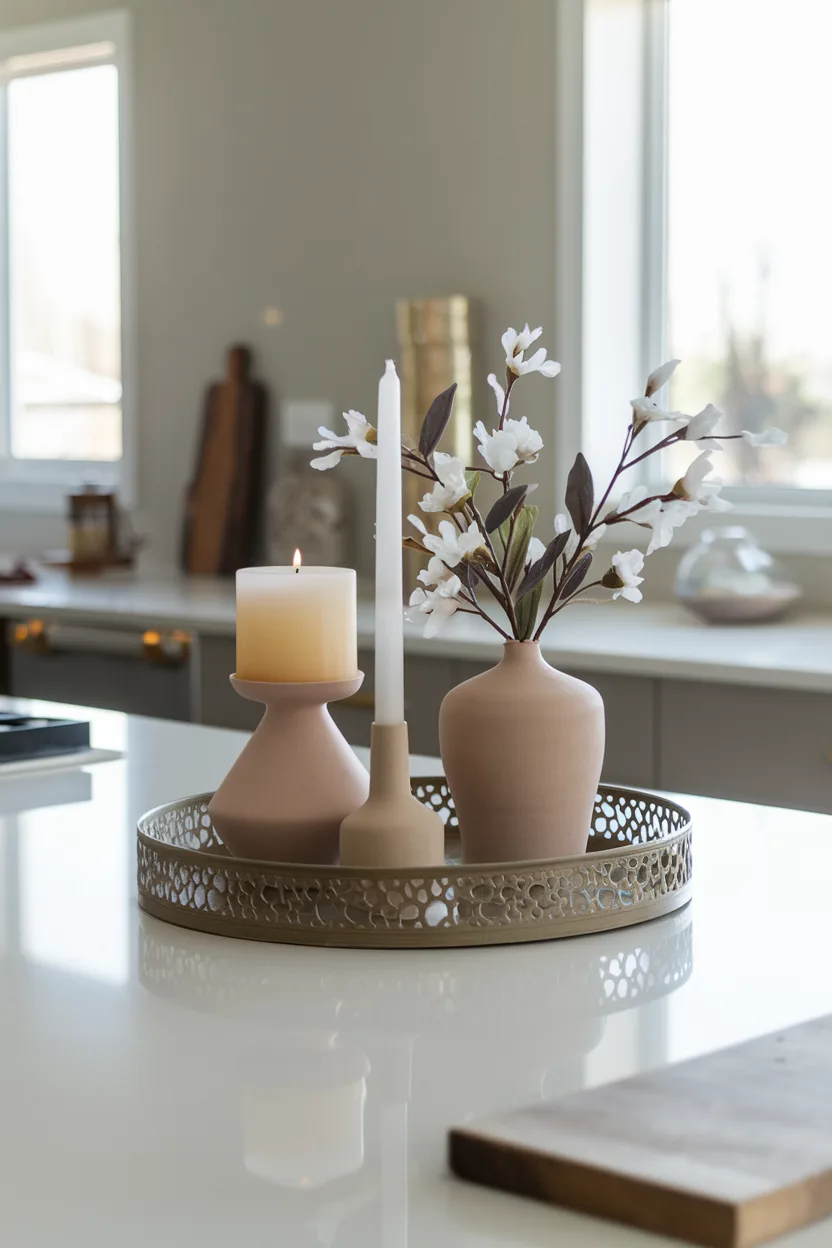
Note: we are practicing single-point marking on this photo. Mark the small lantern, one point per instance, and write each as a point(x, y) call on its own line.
point(93, 527)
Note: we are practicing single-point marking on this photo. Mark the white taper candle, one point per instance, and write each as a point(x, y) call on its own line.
point(389, 691)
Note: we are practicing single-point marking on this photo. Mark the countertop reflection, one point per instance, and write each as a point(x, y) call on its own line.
point(162, 1086)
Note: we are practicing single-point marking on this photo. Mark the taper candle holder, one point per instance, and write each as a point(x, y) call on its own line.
point(393, 828)
point(287, 794)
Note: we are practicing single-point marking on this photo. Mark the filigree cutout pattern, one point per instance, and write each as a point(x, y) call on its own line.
point(638, 866)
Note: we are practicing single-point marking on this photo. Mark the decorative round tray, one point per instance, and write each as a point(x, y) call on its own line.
point(638, 866)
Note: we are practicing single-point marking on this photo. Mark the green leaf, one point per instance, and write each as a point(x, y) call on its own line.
point(526, 612)
point(472, 480)
point(524, 523)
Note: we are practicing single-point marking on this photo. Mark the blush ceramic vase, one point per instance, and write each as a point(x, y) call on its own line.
point(522, 747)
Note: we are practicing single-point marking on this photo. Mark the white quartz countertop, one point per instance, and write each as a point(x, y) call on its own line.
point(164, 1087)
point(647, 640)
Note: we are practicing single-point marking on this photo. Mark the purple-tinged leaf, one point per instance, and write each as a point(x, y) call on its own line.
point(580, 495)
point(436, 421)
point(576, 577)
point(505, 507)
point(538, 571)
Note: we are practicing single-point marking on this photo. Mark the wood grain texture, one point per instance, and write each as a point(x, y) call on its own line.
point(727, 1151)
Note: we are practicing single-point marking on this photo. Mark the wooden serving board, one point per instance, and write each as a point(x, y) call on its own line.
point(728, 1150)
point(223, 500)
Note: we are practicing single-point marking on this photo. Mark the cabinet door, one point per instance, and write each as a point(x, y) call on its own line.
point(355, 716)
point(218, 703)
point(629, 703)
point(114, 682)
point(426, 681)
point(772, 746)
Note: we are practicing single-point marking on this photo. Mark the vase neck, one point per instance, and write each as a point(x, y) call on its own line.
point(522, 654)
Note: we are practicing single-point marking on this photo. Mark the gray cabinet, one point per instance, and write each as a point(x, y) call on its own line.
point(118, 678)
point(772, 746)
point(217, 703)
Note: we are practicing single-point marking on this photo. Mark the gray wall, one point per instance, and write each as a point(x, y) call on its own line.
point(326, 157)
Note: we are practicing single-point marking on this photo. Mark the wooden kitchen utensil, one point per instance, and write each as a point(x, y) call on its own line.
point(223, 500)
point(728, 1150)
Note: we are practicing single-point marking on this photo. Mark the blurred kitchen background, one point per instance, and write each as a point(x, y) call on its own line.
point(217, 220)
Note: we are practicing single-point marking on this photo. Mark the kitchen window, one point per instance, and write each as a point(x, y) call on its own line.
point(695, 131)
point(65, 275)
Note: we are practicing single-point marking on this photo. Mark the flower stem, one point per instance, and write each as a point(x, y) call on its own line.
point(582, 589)
point(483, 616)
point(506, 602)
point(660, 446)
point(510, 380)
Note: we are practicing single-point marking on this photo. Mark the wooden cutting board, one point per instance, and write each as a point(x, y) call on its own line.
point(728, 1150)
point(223, 499)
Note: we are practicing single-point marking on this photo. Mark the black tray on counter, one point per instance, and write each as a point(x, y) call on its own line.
point(32, 736)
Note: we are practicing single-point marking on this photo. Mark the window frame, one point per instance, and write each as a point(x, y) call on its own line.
point(787, 520)
point(35, 485)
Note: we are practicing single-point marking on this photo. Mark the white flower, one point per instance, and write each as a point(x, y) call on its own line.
point(626, 566)
point(536, 550)
point(499, 393)
point(661, 517)
point(361, 440)
point(437, 604)
point(701, 426)
point(594, 537)
point(660, 377)
point(647, 410)
point(563, 524)
point(451, 487)
point(449, 548)
point(693, 487)
point(502, 449)
point(666, 518)
point(436, 571)
point(631, 499)
point(769, 437)
point(516, 344)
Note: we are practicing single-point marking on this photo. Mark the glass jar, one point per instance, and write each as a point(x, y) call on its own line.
point(728, 579)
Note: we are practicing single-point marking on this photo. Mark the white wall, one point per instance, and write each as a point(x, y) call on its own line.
point(325, 157)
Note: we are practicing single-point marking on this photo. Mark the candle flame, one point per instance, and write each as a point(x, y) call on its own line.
point(297, 561)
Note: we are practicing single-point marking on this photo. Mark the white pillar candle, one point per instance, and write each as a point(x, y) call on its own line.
point(296, 624)
point(389, 691)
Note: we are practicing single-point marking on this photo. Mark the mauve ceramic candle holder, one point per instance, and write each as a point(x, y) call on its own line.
point(297, 778)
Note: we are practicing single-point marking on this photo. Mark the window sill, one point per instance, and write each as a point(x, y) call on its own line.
point(42, 488)
point(782, 530)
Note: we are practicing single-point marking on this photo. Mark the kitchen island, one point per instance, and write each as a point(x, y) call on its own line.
point(169, 1088)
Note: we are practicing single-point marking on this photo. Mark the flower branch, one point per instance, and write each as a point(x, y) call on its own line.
point(462, 555)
